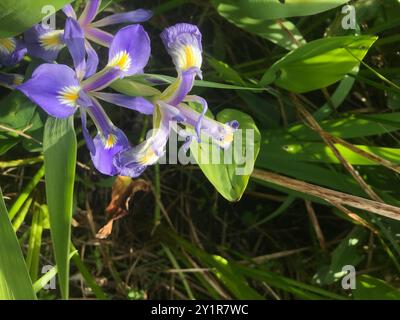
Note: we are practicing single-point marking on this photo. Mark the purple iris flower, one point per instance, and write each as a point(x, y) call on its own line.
point(46, 44)
point(12, 51)
point(60, 90)
point(183, 43)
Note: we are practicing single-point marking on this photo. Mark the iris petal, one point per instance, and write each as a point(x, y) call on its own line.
point(177, 91)
point(108, 142)
point(135, 16)
point(222, 134)
point(69, 11)
point(102, 79)
point(92, 60)
point(55, 88)
point(183, 43)
point(130, 50)
point(132, 162)
point(89, 12)
point(42, 43)
point(103, 157)
point(98, 36)
point(74, 38)
point(134, 103)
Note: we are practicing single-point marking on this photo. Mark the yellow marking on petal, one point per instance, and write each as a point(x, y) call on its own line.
point(121, 60)
point(188, 57)
point(110, 141)
point(149, 157)
point(69, 96)
point(227, 139)
point(7, 45)
point(52, 40)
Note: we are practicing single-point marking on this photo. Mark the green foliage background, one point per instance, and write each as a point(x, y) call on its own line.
point(325, 105)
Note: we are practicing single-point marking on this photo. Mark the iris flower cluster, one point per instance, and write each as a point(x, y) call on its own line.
point(61, 90)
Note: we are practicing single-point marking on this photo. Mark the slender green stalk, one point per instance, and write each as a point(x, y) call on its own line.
point(25, 193)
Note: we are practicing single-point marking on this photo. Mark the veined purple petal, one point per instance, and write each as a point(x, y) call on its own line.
point(100, 118)
point(135, 16)
point(103, 158)
point(176, 92)
point(10, 80)
point(183, 43)
point(134, 103)
point(108, 142)
point(98, 36)
point(74, 38)
point(222, 134)
point(90, 12)
point(69, 11)
point(12, 51)
point(204, 104)
point(44, 44)
point(132, 162)
point(102, 79)
point(55, 88)
point(92, 60)
point(130, 50)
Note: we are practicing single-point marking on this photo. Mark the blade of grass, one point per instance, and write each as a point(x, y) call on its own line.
point(26, 192)
point(35, 241)
point(14, 277)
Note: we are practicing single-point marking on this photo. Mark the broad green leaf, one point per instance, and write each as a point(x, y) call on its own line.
point(370, 288)
point(318, 64)
point(275, 9)
point(17, 111)
point(14, 277)
point(320, 152)
point(226, 72)
point(351, 126)
point(60, 147)
point(281, 32)
point(230, 179)
point(18, 16)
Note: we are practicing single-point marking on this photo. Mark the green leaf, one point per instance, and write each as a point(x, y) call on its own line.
point(370, 288)
point(281, 32)
point(17, 111)
point(60, 147)
point(230, 179)
point(275, 9)
point(18, 16)
point(318, 64)
point(201, 83)
point(134, 88)
point(346, 253)
point(14, 277)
